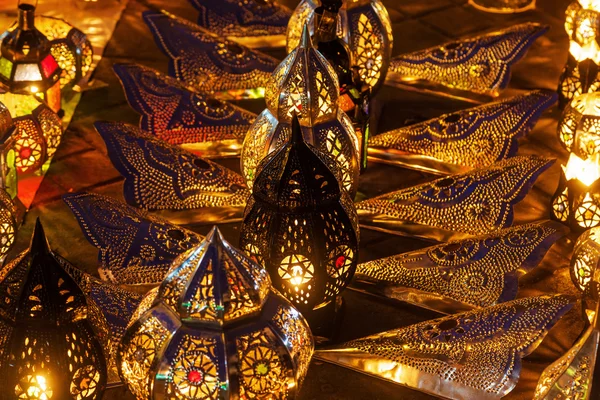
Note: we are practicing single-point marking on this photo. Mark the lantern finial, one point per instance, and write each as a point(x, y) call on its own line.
point(305, 41)
point(297, 136)
point(39, 243)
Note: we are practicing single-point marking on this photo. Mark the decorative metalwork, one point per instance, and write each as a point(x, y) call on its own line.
point(48, 346)
point(206, 61)
point(178, 115)
point(31, 146)
point(304, 84)
point(10, 219)
point(254, 23)
point(581, 118)
point(160, 176)
point(473, 203)
point(473, 355)
point(301, 226)
point(457, 142)
point(134, 247)
point(8, 168)
point(364, 25)
point(503, 6)
point(585, 258)
point(463, 274)
point(472, 67)
point(216, 305)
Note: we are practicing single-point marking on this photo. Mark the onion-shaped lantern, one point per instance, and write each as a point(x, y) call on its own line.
point(306, 85)
point(215, 329)
point(48, 348)
point(303, 228)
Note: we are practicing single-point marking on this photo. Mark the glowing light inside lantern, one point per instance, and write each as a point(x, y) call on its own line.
point(586, 171)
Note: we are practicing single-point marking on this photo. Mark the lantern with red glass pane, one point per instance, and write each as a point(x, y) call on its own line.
point(28, 71)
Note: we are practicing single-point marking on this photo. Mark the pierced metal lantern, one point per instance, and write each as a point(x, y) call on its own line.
point(303, 228)
point(585, 258)
point(580, 75)
point(215, 329)
point(304, 84)
point(581, 118)
point(48, 348)
point(29, 72)
point(364, 25)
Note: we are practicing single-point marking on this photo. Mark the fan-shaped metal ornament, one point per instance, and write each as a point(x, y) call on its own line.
point(134, 247)
point(472, 68)
point(160, 176)
point(473, 203)
point(473, 355)
point(464, 140)
point(208, 62)
point(461, 275)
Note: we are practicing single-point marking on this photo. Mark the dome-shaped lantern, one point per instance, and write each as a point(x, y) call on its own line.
point(306, 85)
point(215, 329)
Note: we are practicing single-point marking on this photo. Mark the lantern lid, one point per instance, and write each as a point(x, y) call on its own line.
point(296, 177)
point(214, 283)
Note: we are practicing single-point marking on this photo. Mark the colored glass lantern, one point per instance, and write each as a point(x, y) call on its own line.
point(215, 329)
point(503, 6)
point(303, 228)
point(29, 72)
point(364, 25)
point(306, 85)
point(49, 350)
point(580, 75)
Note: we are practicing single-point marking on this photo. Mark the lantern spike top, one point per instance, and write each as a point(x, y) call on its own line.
point(39, 243)
point(305, 40)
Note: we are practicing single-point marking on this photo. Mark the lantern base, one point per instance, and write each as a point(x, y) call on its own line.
point(325, 321)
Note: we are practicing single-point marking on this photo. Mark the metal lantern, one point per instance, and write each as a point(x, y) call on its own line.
point(29, 72)
point(303, 228)
point(580, 75)
point(585, 258)
point(304, 84)
point(48, 348)
point(581, 117)
point(215, 329)
point(364, 25)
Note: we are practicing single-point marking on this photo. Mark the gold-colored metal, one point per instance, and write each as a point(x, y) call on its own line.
point(304, 84)
point(461, 275)
point(364, 25)
point(585, 258)
point(581, 118)
point(474, 355)
point(473, 68)
point(503, 6)
point(467, 139)
point(473, 203)
point(10, 219)
point(215, 329)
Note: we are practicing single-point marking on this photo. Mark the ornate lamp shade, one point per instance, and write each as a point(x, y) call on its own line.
point(581, 117)
point(306, 85)
point(364, 25)
point(11, 216)
point(215, 329)
point(580, 75)
point(585, 258)
point(49, 350)
point(28, 70)
point(302, 227)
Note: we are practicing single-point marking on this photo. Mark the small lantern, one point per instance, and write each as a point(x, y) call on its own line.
point(28, 70)
point(581, 71)
point(48, 348)
point(364, 25)
point(585, 258)
point(581, 118)
point(304, 84)
point(303, 228)
point(503, 6)
point(215, 329)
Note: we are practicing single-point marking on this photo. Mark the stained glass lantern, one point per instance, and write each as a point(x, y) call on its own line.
point(303, 228)
point(29, 72)
point(503, 6)
point(581, 71)
point(48, 347)
point(585, 258)
point(215, 329)
point(304, 84)
point(364, 25)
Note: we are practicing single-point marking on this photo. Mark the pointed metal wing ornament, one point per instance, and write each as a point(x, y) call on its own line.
point(464, 274)
point(134, 247)
point(208, 62)
point(467, 139)
point(160, 176)
point(473, 203)
point(473, 355)
point(473, 68)
point(253, 23)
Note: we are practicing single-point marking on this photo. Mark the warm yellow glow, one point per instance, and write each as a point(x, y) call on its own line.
point(590, 50)
point(34, 388)
point(590, 4)
point(34, 89)
point(586, 171)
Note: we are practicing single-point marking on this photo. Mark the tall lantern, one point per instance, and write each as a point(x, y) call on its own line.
point(303, 228)
point(28, 70)
point(48, 349)
point(364, 25)
point(215, 329)
point(306, 85)
point(580, 75)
